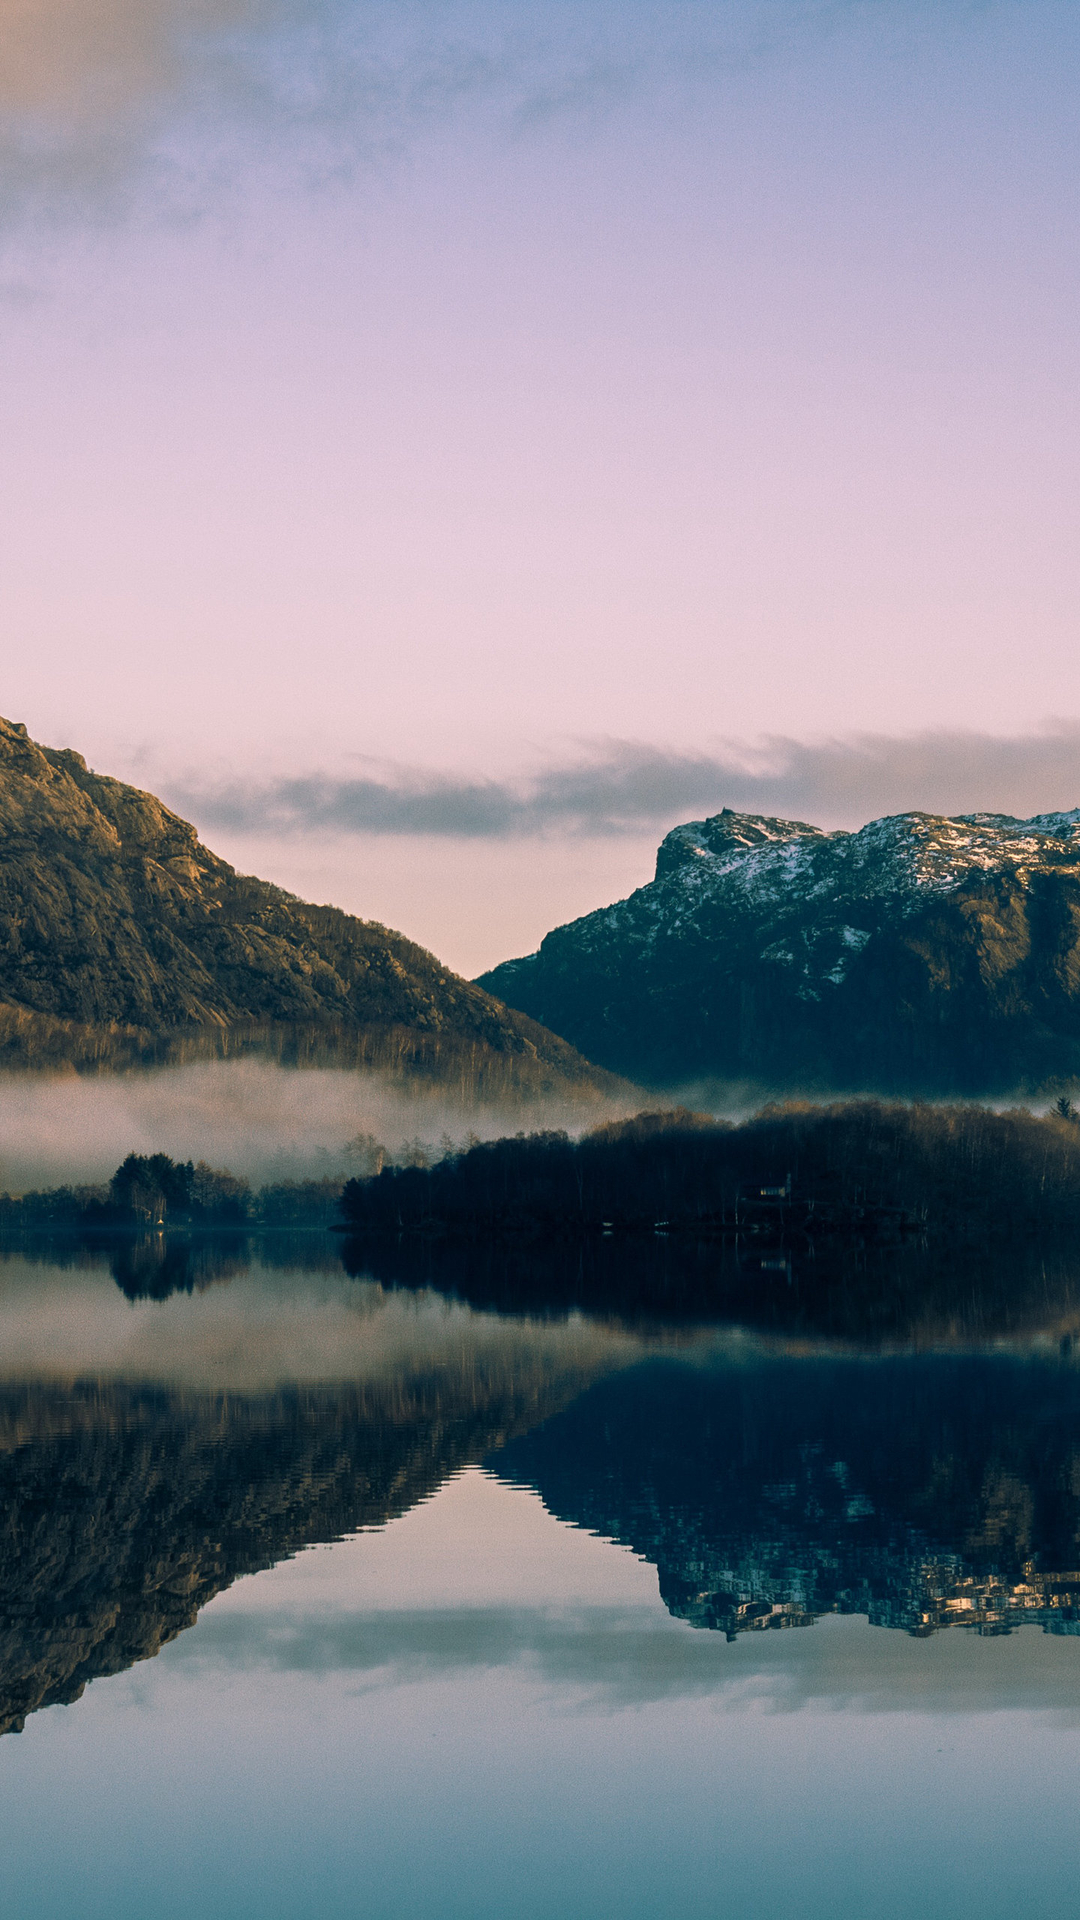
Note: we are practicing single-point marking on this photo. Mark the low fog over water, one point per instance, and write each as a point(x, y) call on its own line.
point(266, 1122)
point(259, 1120)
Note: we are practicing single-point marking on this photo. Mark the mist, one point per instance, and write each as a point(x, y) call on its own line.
point(260, 1121)
point(289, 1326)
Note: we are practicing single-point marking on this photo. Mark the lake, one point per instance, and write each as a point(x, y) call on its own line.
point(321, 1592)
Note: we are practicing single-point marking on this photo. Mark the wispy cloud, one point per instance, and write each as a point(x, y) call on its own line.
point(622, 787)
point(104, 102)
point(99, 98)
point(615, 1658)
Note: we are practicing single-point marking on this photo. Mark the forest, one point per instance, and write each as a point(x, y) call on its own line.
point(151, 1191)
point(793, 1170)
point(857, 1165)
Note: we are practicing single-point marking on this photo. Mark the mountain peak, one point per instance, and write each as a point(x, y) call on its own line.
point(723, 834)
point(123, 938)
point(921, 953)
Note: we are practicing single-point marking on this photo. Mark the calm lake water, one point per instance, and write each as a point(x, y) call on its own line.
point(319, 1597)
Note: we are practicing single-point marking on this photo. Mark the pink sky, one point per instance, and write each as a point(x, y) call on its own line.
point(724, 390)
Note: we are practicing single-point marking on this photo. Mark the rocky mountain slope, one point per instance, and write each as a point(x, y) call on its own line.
point(123, 939)
point(918, 955)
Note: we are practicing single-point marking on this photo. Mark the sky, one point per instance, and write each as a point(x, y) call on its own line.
point(443, 445)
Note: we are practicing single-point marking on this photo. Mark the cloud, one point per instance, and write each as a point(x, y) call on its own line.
point(620, 1657)
point(105, 100)
point(623, 787)
point(100, 99)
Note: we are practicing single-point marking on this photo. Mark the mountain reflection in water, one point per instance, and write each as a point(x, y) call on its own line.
point(900, 1441)
point(923, 1492)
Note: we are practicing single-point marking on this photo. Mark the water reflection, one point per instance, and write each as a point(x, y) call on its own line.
point(156, 1265)
point(125, 1509)
point(925, 1492)
point(913, 1291)
point(153, 1451)
point(910, 1292)
point(175, 1414)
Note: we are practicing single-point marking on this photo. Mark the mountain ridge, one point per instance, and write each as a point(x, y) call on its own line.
point(123, 940)
point(921, 954)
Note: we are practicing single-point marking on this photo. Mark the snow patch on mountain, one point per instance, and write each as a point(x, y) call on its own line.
point(818, 897)
point(919, 952)
point(897, 858)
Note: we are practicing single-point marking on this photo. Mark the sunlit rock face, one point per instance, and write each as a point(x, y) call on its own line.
point(123, 938)
point(919, 955)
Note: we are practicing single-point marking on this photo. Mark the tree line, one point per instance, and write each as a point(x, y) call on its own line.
point(949, 1168)
point(149, 1191)
point(944, 1168)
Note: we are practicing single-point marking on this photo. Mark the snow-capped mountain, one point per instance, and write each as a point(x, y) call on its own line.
point(920, 954)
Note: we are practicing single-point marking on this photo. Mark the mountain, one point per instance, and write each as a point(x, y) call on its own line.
point(123, 939)
point(920, 955)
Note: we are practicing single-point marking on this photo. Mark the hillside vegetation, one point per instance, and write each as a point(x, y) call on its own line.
point(123, 939)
